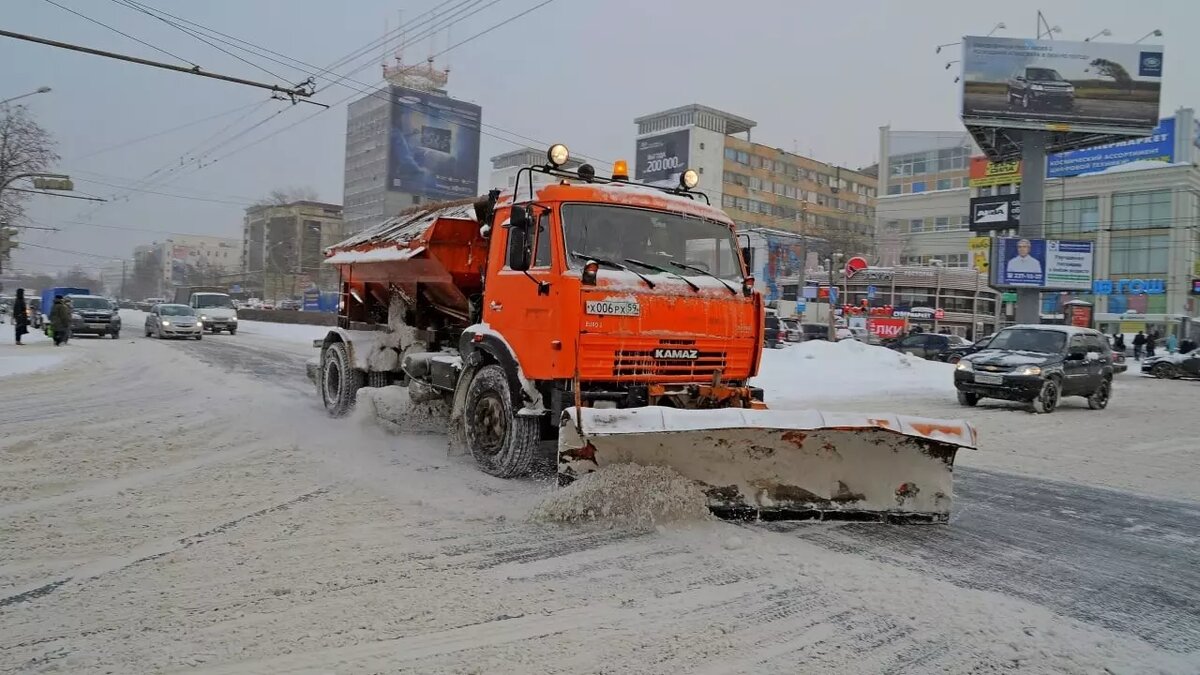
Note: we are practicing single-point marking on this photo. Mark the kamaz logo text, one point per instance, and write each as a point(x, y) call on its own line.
point(679, 354)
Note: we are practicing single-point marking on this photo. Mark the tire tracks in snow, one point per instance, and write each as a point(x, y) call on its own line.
point(147, 552)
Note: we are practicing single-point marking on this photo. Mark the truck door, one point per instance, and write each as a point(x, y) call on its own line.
point(521, 305)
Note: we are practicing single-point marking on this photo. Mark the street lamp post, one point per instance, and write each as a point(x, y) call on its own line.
point(830, 262)
point(1103, 33)
point(1154, 33)
point(39, 90)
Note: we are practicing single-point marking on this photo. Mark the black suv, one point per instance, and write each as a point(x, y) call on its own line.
point(94, 315)
point(1038, 365)
point(1039, 89)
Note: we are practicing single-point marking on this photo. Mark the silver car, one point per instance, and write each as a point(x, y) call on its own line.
point(170, 320)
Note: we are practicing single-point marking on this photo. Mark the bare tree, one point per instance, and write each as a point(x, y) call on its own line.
point(76, 277)
point(25, 147)
point(281, 196)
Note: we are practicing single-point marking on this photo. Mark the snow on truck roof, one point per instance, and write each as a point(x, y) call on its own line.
point(388, 241)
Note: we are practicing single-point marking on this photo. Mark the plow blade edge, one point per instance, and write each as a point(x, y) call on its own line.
point(780, 464)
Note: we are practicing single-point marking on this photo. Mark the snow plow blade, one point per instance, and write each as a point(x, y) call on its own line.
point(780, 464)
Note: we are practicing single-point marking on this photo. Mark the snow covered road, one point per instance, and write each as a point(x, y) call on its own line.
point(169, 506)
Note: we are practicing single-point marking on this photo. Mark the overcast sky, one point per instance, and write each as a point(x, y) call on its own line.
point(818, 77)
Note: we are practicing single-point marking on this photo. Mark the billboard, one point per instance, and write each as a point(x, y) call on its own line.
point(433, 145)
point(1001, 212)
point(1159, 146)
point(1103, 87)
point(983, 173)
point(1045, 264)
point(660, 159)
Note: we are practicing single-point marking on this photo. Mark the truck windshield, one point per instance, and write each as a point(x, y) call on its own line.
point(1043, 74)
point(620, 233)
point(207, 300)
point(1029, 340)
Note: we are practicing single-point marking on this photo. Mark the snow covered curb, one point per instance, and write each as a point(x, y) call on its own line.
point(38, 353)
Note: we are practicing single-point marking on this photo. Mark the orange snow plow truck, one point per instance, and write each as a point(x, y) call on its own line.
point(595, 321)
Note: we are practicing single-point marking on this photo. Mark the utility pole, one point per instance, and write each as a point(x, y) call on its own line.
point(833, 259)
point(123, 296)
point(1033, 206)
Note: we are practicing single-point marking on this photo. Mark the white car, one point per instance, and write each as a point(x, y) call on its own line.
point(170, 320)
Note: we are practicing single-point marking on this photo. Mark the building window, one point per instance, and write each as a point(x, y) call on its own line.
point(1005, 189)
point(727, 201)
point(731, 154)
point(1139, 255)
point(916, 225)
point(941, 223)
point(943, 184)
point(755, 183)
point(894, 189)
point(964, 222)
point(743, 157)
point(1141, 210)
point(1072, 216)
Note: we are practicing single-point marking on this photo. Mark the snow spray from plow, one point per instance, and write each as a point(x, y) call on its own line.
point(780, 464)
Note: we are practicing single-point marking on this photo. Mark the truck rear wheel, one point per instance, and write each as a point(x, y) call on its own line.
point(340, 381)
point(502, 443)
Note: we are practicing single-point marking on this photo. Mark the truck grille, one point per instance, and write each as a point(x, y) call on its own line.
point(643, 358)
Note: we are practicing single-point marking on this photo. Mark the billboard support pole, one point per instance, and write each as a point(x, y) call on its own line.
point(1033, 206)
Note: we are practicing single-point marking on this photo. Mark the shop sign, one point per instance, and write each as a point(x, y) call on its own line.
point(886, 328)
point(1129, 286)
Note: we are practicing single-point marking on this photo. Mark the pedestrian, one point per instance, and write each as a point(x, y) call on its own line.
point(1119, 343)
point(20, 315)
point(1172, 343)
point(1139, 343)
point(60, 320)
point(1151, 342)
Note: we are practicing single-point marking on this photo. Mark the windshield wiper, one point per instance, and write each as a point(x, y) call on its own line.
point(664, 270)
point(702, 271)
point(616, 265)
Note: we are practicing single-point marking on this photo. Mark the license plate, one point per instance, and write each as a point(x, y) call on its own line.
point(97, 325)
point(989, 378)
point(613, 307)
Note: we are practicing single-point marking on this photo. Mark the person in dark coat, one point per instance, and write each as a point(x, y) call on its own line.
point(60, 320)
point(20, 315)
point(1151, 339)
point(1139, 343)
point(1119, 343)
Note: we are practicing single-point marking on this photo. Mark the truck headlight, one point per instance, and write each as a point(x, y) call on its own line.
point(166, 323)
point(203, 317)
point(1028, 370)
point(1037, 87)
point(965, 366)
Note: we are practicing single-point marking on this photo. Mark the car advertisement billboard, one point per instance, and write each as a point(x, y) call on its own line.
point(1045, 264)
point(1104, 87)
point(999, 212)
point(662, 158)
point(1158, 147)
point(434, 145)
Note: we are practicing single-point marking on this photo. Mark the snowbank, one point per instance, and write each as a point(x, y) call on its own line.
point(286, 332)
point(37, 352)
point(812, 372)
point(626, 495)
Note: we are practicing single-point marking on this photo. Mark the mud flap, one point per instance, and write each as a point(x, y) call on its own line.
point(780, 464)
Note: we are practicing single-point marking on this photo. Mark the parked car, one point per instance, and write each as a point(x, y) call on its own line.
point(290, 304)
point(932, 346)
point(1038, 88)
point(94, 315)
point(35, 313)
point(791, 330)
point(1039, 365)
point(813, 331)
point(865, 336)
point(1119, 365)
point(955, 353)
point(1173, 366)
point(172, 320)
point(771, 330)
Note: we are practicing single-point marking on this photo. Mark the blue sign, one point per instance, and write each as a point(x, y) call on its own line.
point(434, 145)
point(871, 292)
point(1159, 147)
point(1150, 64)
point(832, 295)
point(1129, 286)
point(801, 306)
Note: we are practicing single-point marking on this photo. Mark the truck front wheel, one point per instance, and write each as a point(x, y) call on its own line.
point(340, 381)
point(502, 443)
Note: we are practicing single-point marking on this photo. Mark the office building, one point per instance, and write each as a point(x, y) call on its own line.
point(505, 167)
point(408, 143)
point(283, 248)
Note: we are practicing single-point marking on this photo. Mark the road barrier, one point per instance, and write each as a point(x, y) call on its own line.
point(288, 316)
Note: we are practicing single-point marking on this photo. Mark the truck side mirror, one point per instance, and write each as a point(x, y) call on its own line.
point(518, 254)
point(520, 218)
